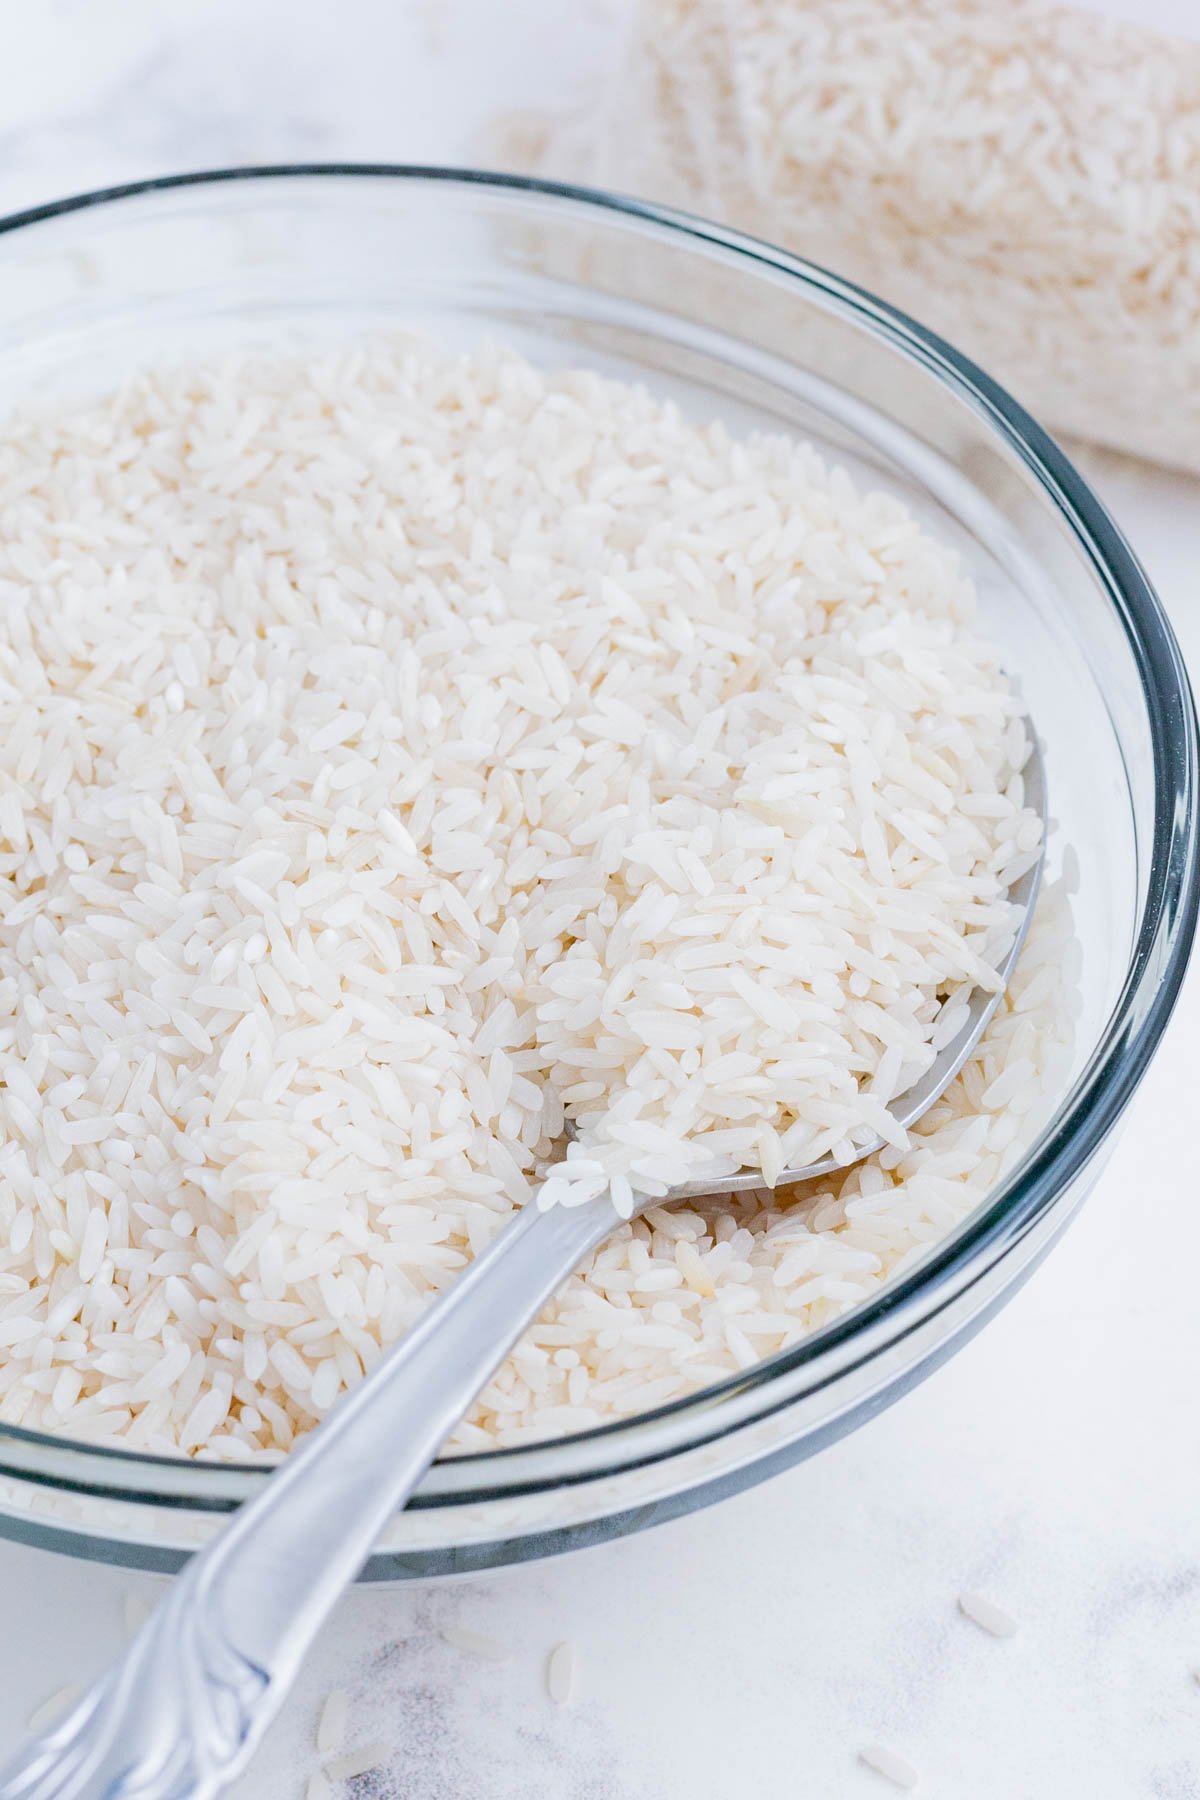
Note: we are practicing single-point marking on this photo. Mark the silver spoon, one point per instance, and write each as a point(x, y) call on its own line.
point(180, 1714)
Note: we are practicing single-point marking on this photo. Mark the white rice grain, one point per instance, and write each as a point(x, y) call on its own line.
point(986, 1614)
point(561, 1669)
point(890, 1764)
point(476, 1643)
point(359, 1762)
point(331, 1726)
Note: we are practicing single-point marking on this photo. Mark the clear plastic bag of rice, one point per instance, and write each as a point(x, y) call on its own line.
point(1024, 178)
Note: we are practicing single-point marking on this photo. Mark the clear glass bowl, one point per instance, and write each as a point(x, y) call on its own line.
point(93, 286)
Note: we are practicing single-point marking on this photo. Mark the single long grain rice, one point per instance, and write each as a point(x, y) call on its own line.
point(561, 1670)
point(331, 1726)
point(359, 1762)
point(889, 1763)
point(986, 1614)
point(476, 1643)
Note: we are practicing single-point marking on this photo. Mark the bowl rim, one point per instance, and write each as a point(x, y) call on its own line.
point(1099, 1094)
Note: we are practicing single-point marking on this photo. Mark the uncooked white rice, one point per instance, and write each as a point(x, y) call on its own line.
point(400, 749)
point(986, 1614)
point(561, 1670)
point(359, 1762)
point(889, 1763)
point(1024, 177)
point(331, 1726)
point(476, 1643)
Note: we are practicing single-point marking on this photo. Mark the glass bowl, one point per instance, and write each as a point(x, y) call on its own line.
point(93, 286)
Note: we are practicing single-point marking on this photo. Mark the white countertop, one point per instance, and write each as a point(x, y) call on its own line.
point(753, 1649)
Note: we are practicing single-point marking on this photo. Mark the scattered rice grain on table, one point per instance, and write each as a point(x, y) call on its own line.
point(987, 1615)
point(331, 1726)
point(891, 1765)
point(400, 750)
point(476, 1643)
point(561, 1672)
point(360, 1762)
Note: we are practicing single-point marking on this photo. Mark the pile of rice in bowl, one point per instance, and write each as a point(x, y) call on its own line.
point(403, 754)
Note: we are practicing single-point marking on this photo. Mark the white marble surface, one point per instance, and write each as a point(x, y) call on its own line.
point(1054, 1465)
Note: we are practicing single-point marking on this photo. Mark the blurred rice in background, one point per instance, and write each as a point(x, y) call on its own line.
point(1023, 178)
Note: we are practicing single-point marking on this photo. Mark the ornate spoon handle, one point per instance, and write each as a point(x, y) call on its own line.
point(180, 1714)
